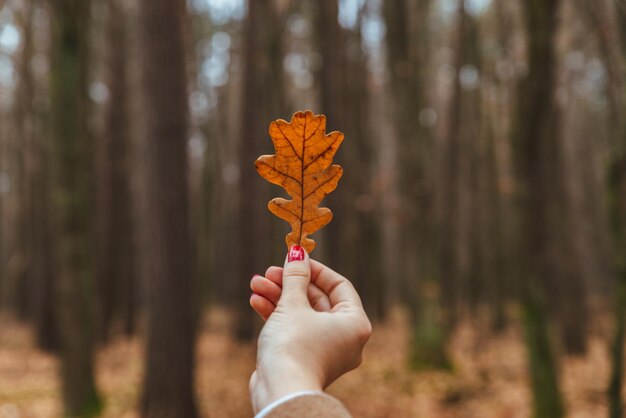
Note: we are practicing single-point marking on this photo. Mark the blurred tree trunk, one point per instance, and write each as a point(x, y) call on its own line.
point(617, 193)
point(40, 278)
point(116, 275)
point(345, 102)
point(451, 242)
point(535, 129)
point(225, 190)
point(73, 202)
point(621, 20)
point(36, 298)
point(499, 145)
point(570, 176)
point(25, 128)
point(262, 101)
point(493, 235)
point(368, 230)
point(168, 387)
point(617, 218)
point(475, 278)
point(479, 242)
point(204, 219)
point(602, 22)
point(331, 43)
point(407, 59)
point(45, 315)
point(3, 191)
point(567, 289)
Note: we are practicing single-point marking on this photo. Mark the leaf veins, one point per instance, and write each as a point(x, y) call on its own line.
point(302, 166)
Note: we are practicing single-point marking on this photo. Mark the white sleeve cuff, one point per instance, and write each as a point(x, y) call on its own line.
point(286, 398)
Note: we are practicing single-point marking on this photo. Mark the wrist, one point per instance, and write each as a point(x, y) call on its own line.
point(272, 383)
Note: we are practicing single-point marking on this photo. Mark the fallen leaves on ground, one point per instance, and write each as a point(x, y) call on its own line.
point(489, 378)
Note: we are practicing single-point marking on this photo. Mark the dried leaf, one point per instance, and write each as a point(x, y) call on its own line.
point(302, 166)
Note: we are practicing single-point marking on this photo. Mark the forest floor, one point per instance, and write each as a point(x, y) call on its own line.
point(489, 378)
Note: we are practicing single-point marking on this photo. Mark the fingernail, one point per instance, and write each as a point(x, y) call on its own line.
point(296, 253)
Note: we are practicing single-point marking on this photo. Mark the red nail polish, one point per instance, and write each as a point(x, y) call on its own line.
point(296, 253)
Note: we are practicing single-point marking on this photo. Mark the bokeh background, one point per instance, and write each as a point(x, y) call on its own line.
point(481, 214)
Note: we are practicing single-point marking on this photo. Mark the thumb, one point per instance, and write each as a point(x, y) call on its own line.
point(296, 277)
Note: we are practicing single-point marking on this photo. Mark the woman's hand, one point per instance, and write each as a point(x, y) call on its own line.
point(315, 328)
point(267, 290)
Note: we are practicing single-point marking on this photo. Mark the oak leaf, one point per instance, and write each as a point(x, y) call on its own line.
point(302, 166)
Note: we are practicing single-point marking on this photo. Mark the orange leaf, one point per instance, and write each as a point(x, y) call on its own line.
point(302, 166)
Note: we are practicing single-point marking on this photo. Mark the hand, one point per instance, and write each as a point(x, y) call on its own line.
point(315, 328)
point(267, 291)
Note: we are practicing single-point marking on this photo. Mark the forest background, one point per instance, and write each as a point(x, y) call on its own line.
point(481, 215)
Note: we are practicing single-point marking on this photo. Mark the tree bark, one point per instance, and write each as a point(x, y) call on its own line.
point(344, 99)
point(534, 137)
point(73, 202)
point(116, 275)
point(331, 43)
point(262, 100)
point(36, 298)
point(617, 218)
point(451, 218)
point(167, 258)
point(25, 128)
point(416, 260)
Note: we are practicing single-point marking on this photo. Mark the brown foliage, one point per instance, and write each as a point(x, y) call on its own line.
point(490, 379)
point(302, 166)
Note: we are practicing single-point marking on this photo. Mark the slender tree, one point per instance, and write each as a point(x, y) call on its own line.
point(44, 300)
point(344, 99)
point(116, 283)
point(25, 122)
point(451, 225)
point(262, 102)
point(331, 43)
point(617, 218)
point(407, 58)
point(2, 217)
point(498, 137)
point(167, 256)
point(474, 199)
point(536, 123)
point(617, 209)
point(35, 297)
point(73, 202)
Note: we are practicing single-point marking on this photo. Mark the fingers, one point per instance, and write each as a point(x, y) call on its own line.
point(262, 306)
point(327, 288)
point(270, 287)
point(302, 281)
point(275, 274)
point(318, 299)
point(266, 288)
point(339, 289)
